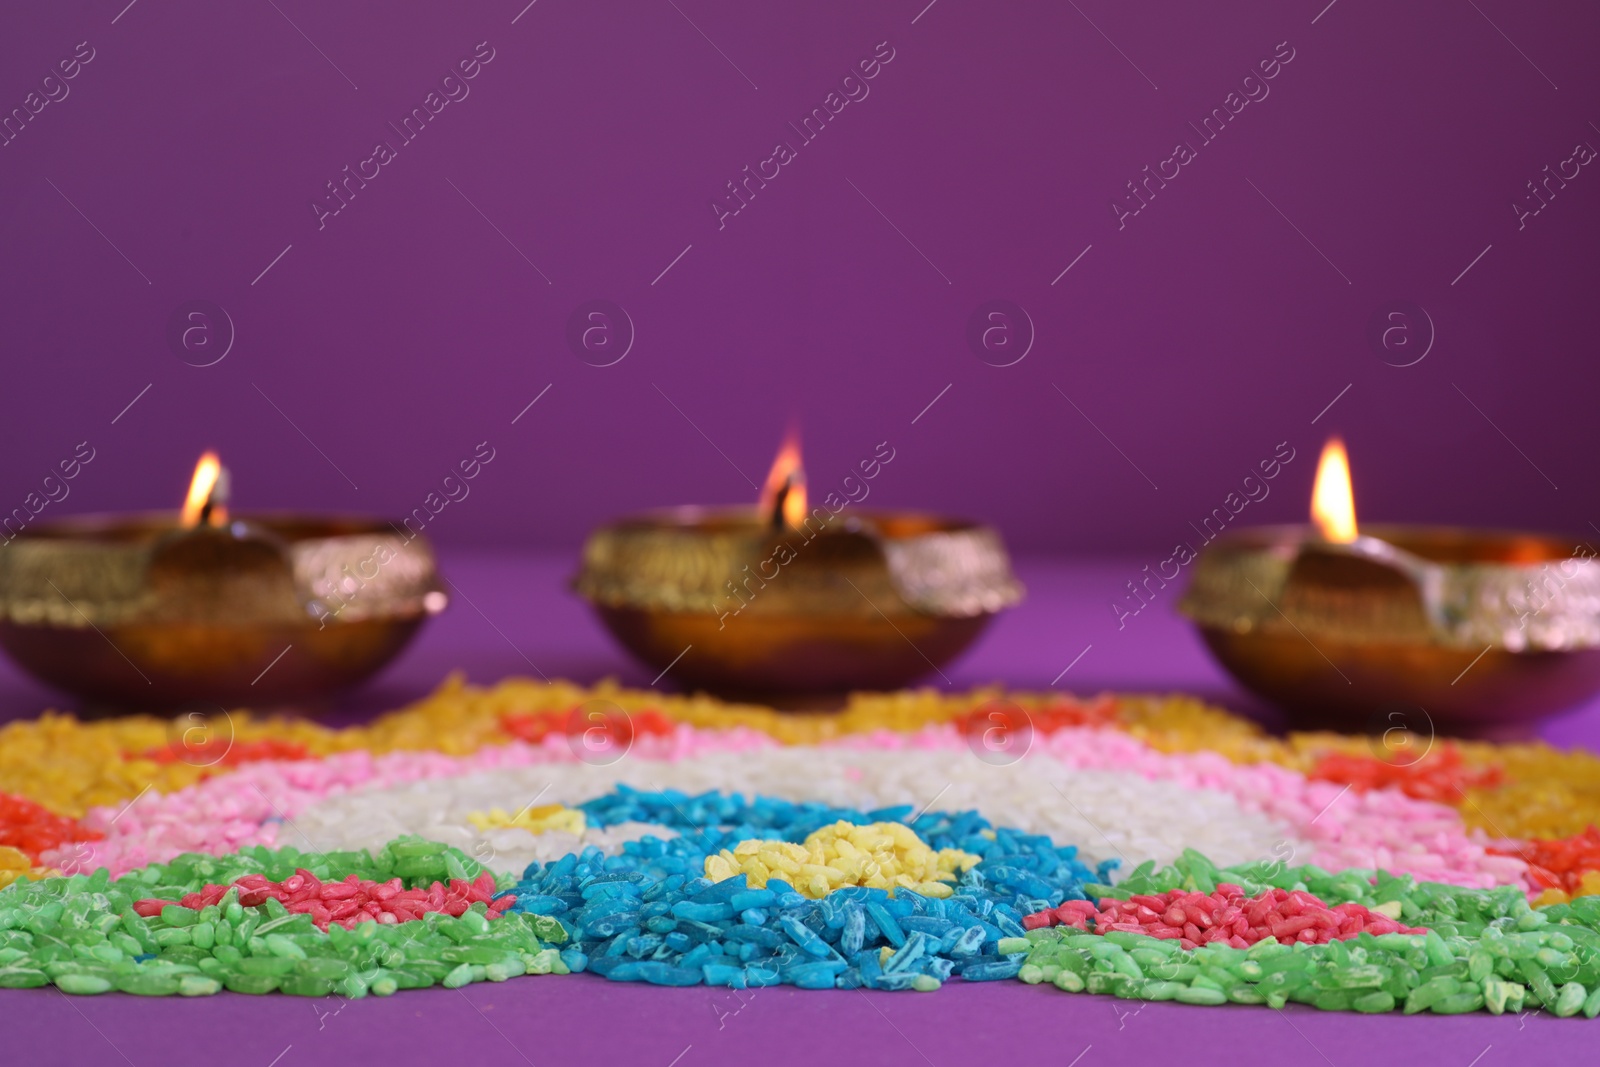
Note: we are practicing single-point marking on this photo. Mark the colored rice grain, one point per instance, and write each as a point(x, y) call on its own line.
point(15, 864)
point(1121, 799)
point(1449, 910)
point(648, 915)
point(1485, 949)
point(1441, 776)
point(879, 855)
point(34, 830)
point(1226, 915)
point(1562, 868)
point(1108, 814)
point(1510, 969)
point(534, 820)
point(347, 902)
point(190, 928)
point(70, 766)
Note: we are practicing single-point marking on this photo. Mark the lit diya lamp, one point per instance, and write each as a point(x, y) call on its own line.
point(163, 610)
point(796, 599)
point(1482, 631)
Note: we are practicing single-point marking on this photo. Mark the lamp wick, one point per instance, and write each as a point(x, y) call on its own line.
point(216, 499)
point(775, 517)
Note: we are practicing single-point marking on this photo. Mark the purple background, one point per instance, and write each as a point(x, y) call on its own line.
point(378, 351)
point(1195, 339)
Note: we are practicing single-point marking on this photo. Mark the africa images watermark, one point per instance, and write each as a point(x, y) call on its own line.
point(1546, 587)
point(55, 490)
point(53, 89)
point(852, 89)
point(1255, 90)
point(454, 89)
point(783, 553)
point(1540, 194)
point(455, 489)
point(1140, 592)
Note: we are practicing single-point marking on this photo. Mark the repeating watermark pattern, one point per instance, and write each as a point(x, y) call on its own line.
point(200, 332)
point(1474, 263)
point(485, 852)
point(83, 858)
point(453, 88)
point(1007, 734)
point(317, 1006)
point(1400, 734)
point(529, 404)
point(286, 648)
point(302, 433)
point(903, 236)
point(932, 402)
point(1541, 590)
point(671, 665)
point(1096, 427)
point(53, 89)
point(53, 489)
point(674, 263)
point(708, 41)
point(496, 227)
point(482, 851)
point(1538, 593)
point(1252, 89)
point(1541, 191)
point(600, 333)
point(1329, 405)
point(599, 733)
point(1057, 679)
point(305, 36)
point(1144, 589)
point(853, 88)
point(1283, 854)
point(743, 591)
point(1069, 266)
point(454, 488)
point(1000, 333)
point(201, 737)
point(1124, 1015)
point(742, 997)
point(1401, 333)
point(269, 266)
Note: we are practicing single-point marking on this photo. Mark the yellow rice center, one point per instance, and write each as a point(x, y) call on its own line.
point(535, 820)
point(880, 855)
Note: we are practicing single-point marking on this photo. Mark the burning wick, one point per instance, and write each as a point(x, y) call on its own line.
point(206, 504)
point(783, 498)
point(1333, 505)
point(792, 488)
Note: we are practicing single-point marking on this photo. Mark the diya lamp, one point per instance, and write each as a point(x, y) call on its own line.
point(1484, 631)
point(163, 610)
point(796, 599)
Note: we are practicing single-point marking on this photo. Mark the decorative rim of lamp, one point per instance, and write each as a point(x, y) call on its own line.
point(688, 559)
point(1523, 592)
point(95, 570)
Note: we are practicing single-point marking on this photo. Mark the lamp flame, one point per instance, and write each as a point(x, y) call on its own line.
point(208, 494)
point(783, 498)
point(1333, 505)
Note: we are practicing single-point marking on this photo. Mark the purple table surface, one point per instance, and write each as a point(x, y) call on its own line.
point(512, 616)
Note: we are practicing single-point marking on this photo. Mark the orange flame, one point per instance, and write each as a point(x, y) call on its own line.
point(208, 490)
point(1333, 504)
point(784, 495)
